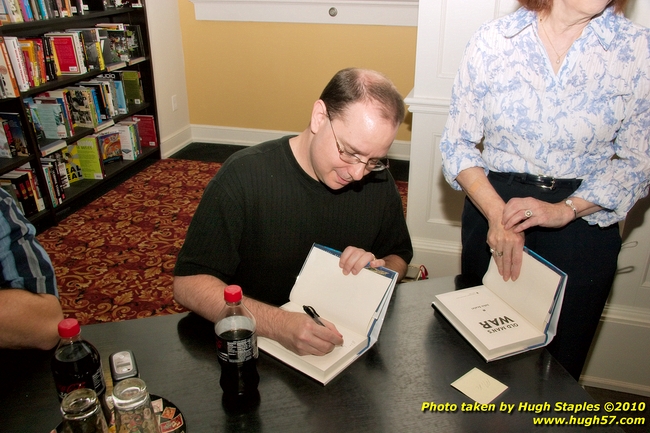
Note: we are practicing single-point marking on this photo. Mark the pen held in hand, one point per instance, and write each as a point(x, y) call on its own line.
point(312, 313)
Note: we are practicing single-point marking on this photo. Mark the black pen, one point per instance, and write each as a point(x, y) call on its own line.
point(312, 313)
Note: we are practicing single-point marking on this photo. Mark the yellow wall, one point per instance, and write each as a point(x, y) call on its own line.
point(267, 75)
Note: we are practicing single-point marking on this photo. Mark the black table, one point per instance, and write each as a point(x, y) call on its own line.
point(418, 355)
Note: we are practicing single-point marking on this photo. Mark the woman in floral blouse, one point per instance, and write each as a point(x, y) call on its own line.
point(558, 95)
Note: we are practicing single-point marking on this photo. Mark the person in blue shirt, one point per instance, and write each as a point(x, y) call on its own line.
point(558, 94)
point(29, 305)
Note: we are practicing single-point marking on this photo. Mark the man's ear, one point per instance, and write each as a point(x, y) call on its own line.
point(318, 116)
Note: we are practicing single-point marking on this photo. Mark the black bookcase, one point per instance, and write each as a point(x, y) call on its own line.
point(82, 191)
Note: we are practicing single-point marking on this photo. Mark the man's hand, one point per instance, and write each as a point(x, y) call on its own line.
point(298, 332)
point(304, 336)
point(354, 259)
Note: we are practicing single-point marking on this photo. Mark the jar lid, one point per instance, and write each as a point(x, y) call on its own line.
point(232, 293)
point(69, 328)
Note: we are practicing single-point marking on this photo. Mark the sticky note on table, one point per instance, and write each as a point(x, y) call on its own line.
point(479, 386)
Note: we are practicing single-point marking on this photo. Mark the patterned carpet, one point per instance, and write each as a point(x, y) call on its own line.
point(114, 258)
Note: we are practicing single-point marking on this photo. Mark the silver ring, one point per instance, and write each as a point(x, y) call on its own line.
point(528, 213)
point(495, 252)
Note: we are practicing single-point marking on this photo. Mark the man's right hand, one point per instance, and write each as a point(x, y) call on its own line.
point(304, 336)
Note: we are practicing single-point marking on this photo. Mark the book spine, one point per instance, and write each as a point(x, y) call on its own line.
point(10, 85)
point(17, 61)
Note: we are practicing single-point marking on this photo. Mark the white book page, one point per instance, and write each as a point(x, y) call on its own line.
point(532, 294)
point(348, 301)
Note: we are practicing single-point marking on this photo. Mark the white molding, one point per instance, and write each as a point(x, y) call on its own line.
point(436, 246)
point(427, 105)
point(249, 137)
point(363, 12)
point(171, 144)
point(625, 315)
point(615, 385)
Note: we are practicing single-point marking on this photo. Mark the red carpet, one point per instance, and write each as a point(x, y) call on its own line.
point(114, 258)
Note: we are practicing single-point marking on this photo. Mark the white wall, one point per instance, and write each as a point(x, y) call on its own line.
point(169, 75)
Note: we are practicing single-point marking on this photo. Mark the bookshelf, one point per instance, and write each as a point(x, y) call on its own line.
point(84, 190)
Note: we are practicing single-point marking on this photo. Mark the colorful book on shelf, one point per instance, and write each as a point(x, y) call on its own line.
point(7, 75)
point(129, 139)
point(17, 132)
point(51, 147)
point(132, 87)
point(92, 47)
point(33, 179)
point(6, 130)
point(58, 163)
point(52, 118)
point(5, 146)
point(72, 163)
point(12, 8)
point(90, 158)
point(67, 52)
point(104, 97)
point(37, 45)
point(26, 10)
point(355, 304)
point(17, 62)
point(504, 318)
point(53, 188)
point(51, 109)
point(24, 191)
point(137, 52)
point(34, 57)
point(33, 119)
point(82, 107)
point(63, 98)
point(146, 129)
point(109, 145)
point(87, 99)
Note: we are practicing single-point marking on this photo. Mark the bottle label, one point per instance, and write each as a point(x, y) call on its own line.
point(94, 382)
point(236, 350)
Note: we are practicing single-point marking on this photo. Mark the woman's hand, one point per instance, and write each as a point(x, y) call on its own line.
point(507, 248)
point(520, 214)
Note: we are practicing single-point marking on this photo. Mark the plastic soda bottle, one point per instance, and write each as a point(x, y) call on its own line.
point(237, 346)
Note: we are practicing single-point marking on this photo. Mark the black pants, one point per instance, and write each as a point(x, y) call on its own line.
point(587, 253)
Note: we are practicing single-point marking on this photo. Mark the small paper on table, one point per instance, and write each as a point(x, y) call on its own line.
point(479, 386)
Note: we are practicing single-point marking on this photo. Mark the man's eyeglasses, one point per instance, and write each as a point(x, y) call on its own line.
point(373, 164)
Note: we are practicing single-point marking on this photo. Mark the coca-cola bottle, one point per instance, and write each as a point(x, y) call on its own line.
point(237, 347)
point(76, 363)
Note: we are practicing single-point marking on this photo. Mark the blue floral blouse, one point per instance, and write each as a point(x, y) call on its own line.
point(590, 121)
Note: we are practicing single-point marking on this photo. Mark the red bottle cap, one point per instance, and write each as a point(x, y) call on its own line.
point(232, 293)
point(69, 328)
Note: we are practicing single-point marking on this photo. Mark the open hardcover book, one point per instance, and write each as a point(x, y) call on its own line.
point(503, 318)
point(355, 304)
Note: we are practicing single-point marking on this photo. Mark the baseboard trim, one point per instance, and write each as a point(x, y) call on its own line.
point(249, 137)
point(171, 144)
point(614, 385)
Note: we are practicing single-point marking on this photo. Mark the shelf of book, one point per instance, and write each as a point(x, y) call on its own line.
point(8, 164)
point(27, 28)
point(114, 169)
point(47, 109)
